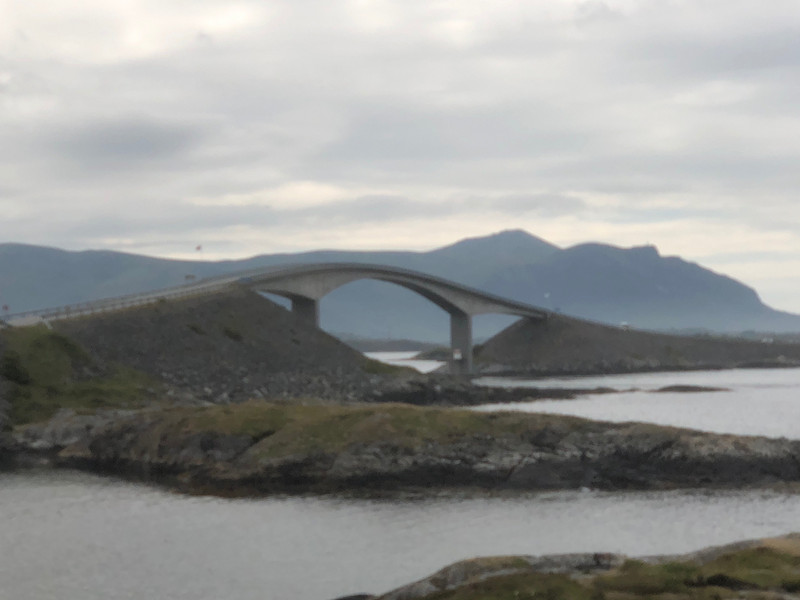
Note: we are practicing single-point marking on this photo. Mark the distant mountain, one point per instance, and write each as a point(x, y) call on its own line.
point(594, 281)
point(639, 287)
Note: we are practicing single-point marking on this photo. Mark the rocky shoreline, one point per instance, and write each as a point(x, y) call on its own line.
point(448, 390)
point(385, 448)
point(766, 568)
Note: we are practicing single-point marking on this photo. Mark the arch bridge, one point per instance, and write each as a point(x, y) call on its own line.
point(306, 285)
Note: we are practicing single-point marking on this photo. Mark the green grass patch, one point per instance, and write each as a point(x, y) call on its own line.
point(762, 568)
point(763, 571)
point(12, 368)
point(43, 356)
point(332, 429)
point(49, 371)
point(305, 429)
point(639, 578)
point(528, 586)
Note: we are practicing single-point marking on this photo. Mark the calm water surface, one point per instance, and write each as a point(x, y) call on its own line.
point(68, 535)
point(406, 359)
point(758, 401)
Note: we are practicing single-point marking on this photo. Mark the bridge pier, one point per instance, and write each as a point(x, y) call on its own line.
point(306, 309)
point(461, 343)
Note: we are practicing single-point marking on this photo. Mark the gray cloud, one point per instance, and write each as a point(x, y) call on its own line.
point(540, 204)
point(126, 221)
point(126, 140)
point(455, 111)
point(725, 54)
point(452, 134)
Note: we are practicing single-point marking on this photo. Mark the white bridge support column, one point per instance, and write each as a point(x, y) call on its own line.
point(461, 343)
point(306, 309)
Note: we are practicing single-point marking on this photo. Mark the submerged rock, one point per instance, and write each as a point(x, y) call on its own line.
point(690, 389)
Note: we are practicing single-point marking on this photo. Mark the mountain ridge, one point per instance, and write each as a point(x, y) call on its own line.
point(595, 281)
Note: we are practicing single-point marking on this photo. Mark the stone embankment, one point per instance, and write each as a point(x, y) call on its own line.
point(566, 345)
point(227, 347)
point(257, 448)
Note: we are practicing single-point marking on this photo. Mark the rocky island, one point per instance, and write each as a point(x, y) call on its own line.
point(263, 448)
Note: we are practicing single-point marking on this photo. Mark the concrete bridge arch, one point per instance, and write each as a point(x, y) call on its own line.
point(306, 285)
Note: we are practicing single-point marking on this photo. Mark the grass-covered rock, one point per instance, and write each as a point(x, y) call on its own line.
point(761, 569)
point(262, 447)
point(44, 371)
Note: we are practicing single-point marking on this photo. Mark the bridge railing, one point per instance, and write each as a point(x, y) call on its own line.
point(91, 307)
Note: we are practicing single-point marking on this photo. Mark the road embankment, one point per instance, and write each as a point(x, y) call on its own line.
point(562, 345)
point(261, 448)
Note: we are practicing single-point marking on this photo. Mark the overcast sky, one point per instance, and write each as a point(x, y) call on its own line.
point(152, 126)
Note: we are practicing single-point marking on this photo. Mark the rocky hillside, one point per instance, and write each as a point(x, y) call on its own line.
point(226, 347)
point(565, 345)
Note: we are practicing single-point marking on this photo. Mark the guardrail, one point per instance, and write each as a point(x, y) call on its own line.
point(207, 285)
point(71, 311)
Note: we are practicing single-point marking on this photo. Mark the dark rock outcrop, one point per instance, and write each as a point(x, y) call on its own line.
point(443, 390)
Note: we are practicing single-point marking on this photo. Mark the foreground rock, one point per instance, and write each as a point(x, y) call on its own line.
point(260, 448)
point(765, 569)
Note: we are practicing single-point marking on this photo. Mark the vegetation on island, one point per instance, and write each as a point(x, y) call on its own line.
point(47, 371)
point(307, 428)
point(769, 569)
